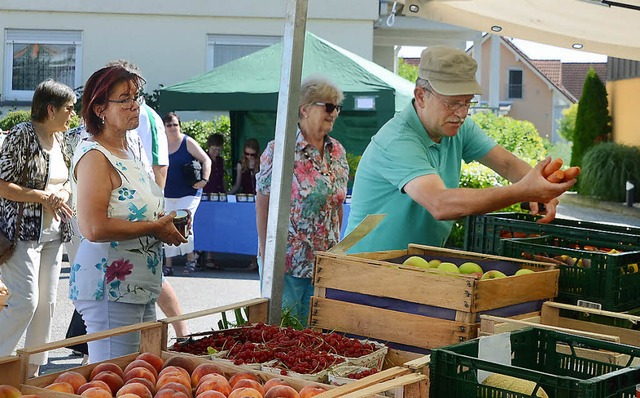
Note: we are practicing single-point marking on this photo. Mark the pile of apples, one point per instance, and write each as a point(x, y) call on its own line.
point(467, 268)
point(149, 376)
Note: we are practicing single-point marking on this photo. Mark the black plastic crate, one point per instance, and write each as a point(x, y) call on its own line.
point(611, 280)
point(484, 232)
point(549, 359)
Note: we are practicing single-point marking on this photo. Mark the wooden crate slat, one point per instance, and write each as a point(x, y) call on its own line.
point(497, 293)
point(410, 329)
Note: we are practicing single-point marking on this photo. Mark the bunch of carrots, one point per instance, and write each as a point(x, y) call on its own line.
point(553, 173)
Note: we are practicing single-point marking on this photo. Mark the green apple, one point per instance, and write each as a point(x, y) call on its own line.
point(470, 268)
point(524, 271)
point(493, 274)
point(416, 261)
point(449, 267)
point(434, 263)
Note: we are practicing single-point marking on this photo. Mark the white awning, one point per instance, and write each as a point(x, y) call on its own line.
point(587, 25)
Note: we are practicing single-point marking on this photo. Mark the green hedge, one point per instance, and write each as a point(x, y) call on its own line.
point(201, 130)
point(606, 169)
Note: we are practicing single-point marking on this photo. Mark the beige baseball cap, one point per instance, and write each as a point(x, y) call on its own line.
point(449, 71)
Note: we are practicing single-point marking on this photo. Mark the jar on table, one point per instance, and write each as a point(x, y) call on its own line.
point(213, 197)
point(241, 197)
point(222, 197)
point(251, 197)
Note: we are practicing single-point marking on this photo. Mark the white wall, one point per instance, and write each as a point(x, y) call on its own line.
point(168, 40)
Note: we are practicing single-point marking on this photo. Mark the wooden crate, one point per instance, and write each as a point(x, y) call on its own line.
point(551, 318)
point(372, 277)
point(394, 382)
point(3, 300)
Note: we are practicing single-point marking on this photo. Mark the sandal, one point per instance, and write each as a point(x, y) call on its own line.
point(189, 268)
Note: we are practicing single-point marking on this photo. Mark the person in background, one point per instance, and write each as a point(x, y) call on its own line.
point(121, 220)
point(34, 179)
point(178, 193)
point(319, 187)
point(410, 170)
point(247, 168)
point(216, 183)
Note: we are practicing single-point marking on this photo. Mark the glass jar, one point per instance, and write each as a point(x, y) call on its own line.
point(181, 221)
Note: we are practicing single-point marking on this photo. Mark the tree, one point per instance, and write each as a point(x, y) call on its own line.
point(409, 72)
point(567, 124)
point(592, 120)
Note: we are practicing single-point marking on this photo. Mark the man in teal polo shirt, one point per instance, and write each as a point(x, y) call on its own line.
point(410, 170)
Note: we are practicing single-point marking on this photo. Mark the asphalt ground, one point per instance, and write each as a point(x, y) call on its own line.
point(235, 282)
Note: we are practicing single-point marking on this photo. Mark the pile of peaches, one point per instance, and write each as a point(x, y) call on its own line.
point(149, 376)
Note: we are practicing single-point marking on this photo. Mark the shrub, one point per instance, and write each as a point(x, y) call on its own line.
point(606, 169)
point(567, 124)
point(13, 118)
point(592, 119)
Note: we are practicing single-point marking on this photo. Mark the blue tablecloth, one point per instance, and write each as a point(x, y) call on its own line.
point(231, 227)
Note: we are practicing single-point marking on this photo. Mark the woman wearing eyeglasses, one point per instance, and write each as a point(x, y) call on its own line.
point(34, 187)
point(115, 277)
point(247, 168)
point(179, 193)
point(318, 191)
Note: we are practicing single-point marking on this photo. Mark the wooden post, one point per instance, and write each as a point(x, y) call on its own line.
point(282, 176)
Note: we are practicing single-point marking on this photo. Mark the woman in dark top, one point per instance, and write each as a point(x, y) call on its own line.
point(247, 168)
point(216, 184)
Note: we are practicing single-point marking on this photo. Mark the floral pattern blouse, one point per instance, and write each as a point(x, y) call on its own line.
point(318, 191)
point(127, 271)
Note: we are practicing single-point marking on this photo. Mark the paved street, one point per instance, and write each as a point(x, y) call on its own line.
point(206, 289)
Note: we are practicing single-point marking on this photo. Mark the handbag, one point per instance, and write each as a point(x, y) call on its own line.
point(6, 246)
point(192, 172)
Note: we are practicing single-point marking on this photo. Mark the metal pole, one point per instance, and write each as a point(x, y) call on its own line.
point(631, 193)
point(282, 176)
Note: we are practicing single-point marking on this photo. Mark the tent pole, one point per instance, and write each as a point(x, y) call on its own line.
point(282, 175)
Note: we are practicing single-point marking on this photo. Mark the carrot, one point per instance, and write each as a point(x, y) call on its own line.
point(571, 173)
point(556, 176)
point(551, 167)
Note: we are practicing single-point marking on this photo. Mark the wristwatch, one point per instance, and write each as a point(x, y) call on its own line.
point(205, 180)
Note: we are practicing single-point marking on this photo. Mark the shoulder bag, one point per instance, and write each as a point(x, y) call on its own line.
point(192, 172)
point(7, 246)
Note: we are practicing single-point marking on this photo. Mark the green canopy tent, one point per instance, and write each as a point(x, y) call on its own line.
point(248, 88)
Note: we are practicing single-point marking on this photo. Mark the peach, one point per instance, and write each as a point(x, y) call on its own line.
point(242, 375)
point(204, 369)
point(128, 395)
point(173, 378)
point(96, 392)
point(7, 391)
point(274, 382)
point(60, 386)
point(282, 392)
point(250, 384)
point(174, 369)
point(214, 382)
point(110, 366)
point(311, 391)
point(140, 363)
point(151, 386)
point(29, 396)
point(245, 392)
point(138, 389)
point(74, 378)
point(113, 380)
point(171, 394)
point(211, 394)
point(187, 364)
point(140, 372)
point(153, 359)
point(94, 383)
point(177, 387)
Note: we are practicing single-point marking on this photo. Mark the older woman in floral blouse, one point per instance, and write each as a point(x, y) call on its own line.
point(318, 191)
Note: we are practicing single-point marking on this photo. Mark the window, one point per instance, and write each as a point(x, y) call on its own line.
point(32, 56)
point(515, 84)
point(222, 49)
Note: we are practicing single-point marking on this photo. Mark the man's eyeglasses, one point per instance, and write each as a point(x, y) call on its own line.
point(171, 124)
point(127, 103)
point(454, 106)
point(329, 107)
point(250, 154)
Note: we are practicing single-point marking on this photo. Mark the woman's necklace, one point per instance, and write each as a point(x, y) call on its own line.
point(324, 167)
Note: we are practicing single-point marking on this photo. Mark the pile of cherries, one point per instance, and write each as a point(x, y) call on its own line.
point(302, 351)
